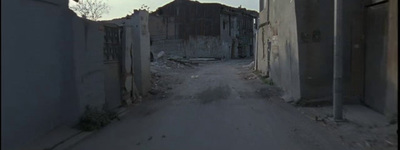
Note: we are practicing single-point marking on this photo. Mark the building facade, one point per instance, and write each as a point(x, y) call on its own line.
point(295, 49)
point(192, 29)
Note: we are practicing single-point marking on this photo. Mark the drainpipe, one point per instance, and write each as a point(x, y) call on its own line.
point(338, 62)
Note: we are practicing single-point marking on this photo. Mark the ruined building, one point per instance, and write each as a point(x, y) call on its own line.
point(192, 29)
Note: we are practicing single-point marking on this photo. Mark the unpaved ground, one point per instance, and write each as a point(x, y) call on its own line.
point(213, 106)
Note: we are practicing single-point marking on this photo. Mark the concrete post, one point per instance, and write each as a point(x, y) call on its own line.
point(338, 62)
point(141, 51)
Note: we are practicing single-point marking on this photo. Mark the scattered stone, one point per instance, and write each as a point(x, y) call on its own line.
point(202, 59)
point(367, 144)
point(138, 143)
point(251, 65)
point(149, 138)
point(160, 54)
point(389, 143)
point(153, 92)
point(163, 136)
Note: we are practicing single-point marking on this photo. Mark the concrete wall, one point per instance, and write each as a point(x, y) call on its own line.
point(33, 67)
point(169, 46)
point(203, 46)
point(315, 35)
point(301, 35)
point(354, 54)
point(226, 32)
point(141, 51)
point(42, 76)
point(262, 53)
point(88, 59)
point(282, 32)
point(129, 89)
point(392, 62)
point(162, 27)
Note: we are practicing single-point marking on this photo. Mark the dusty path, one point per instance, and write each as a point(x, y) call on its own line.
point(218, 110)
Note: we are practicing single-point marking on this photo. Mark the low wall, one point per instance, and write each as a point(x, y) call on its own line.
point(204, 46)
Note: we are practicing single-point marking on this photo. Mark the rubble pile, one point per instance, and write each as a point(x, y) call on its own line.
point(168, 63)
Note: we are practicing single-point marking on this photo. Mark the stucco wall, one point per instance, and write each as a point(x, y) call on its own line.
point(32, 69)
point(88, 61)
point(262, 53)
point(284, 48)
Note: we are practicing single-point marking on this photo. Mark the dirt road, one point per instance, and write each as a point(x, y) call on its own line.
point(214, 107)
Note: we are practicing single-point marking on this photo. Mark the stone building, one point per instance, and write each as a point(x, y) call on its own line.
point(295, 49)
point(192, 29)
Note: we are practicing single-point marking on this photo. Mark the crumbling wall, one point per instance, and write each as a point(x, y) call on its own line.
point(262, 53)
point(284, 61)
point(141, 51)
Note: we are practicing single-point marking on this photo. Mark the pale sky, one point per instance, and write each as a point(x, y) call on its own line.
point(120, 8)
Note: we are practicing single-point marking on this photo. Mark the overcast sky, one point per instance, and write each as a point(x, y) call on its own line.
point(120, 8)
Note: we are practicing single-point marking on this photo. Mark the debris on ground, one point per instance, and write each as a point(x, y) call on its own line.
point(171, 62)
point(160, 55)
point(183, 62)
point(202, 59)
point(250, 66)
point(161, 70)
point(250, 77)
point(195, 76)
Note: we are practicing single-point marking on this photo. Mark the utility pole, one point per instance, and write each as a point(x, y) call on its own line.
point(338, 62)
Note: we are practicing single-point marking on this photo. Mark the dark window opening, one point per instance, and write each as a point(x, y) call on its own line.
point(224, 25)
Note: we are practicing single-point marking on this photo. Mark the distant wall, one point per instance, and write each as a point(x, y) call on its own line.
point(169, 46)
point(202, 46)
point(162, 27)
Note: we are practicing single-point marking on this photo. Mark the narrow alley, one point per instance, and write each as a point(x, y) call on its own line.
point(213, 107)
point(199, 75)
